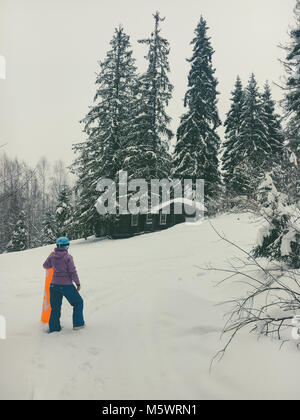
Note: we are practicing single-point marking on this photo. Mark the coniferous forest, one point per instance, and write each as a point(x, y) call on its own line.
point(127, 128)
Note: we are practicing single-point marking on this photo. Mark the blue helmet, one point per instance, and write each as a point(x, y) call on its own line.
point(63, 242)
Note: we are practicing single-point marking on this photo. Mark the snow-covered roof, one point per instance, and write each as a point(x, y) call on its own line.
point(185, 201)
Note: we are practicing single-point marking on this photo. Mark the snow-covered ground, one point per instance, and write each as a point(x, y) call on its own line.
point(153, 325)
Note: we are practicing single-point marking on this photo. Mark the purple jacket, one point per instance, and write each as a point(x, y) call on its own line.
point(64, 269)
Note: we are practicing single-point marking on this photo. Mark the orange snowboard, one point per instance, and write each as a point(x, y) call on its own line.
point(46, 311)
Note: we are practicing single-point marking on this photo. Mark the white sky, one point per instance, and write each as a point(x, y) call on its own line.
point(52, 48)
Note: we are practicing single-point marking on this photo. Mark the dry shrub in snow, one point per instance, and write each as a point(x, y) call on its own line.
point(269, 305)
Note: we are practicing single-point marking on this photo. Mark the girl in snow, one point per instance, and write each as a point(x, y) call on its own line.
point(64, 274)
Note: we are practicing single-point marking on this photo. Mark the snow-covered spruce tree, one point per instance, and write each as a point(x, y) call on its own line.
point(63, 212)
point(49, 229)
point(253, 146)
point(273, 127)
point(145, 152)
point(19, 238)
point(85, 191)
point(197, 147)
point(291, 104)
point(232, 173)
point(279, 238)
point(106, 126)
point(277, 155)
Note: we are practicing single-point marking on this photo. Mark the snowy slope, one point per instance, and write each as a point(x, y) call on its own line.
point(152, 323)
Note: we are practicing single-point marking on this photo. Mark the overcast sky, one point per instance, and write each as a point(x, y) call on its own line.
point(52, 48)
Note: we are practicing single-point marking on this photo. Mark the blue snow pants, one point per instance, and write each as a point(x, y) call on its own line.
point(57, 293)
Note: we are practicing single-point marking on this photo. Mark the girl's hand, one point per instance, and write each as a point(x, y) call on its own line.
point(78, 288)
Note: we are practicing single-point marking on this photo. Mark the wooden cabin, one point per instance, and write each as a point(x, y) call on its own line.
point(128, 225)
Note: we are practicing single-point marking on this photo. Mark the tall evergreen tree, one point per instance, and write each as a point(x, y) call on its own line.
point(106, 126)
point(253, 139)
point(253, 145)
point(197, 147)
point(291, 105)
point(276, 158)
point(273, 127)
point(49, 229)
point(19, 238)
point(63, 212)
point(280, 208)
point(233, 178)
point(145, 154)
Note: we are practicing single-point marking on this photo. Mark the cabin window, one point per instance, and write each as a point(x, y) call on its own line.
point(163, 219)
point(134, 219)
point(149, 219)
